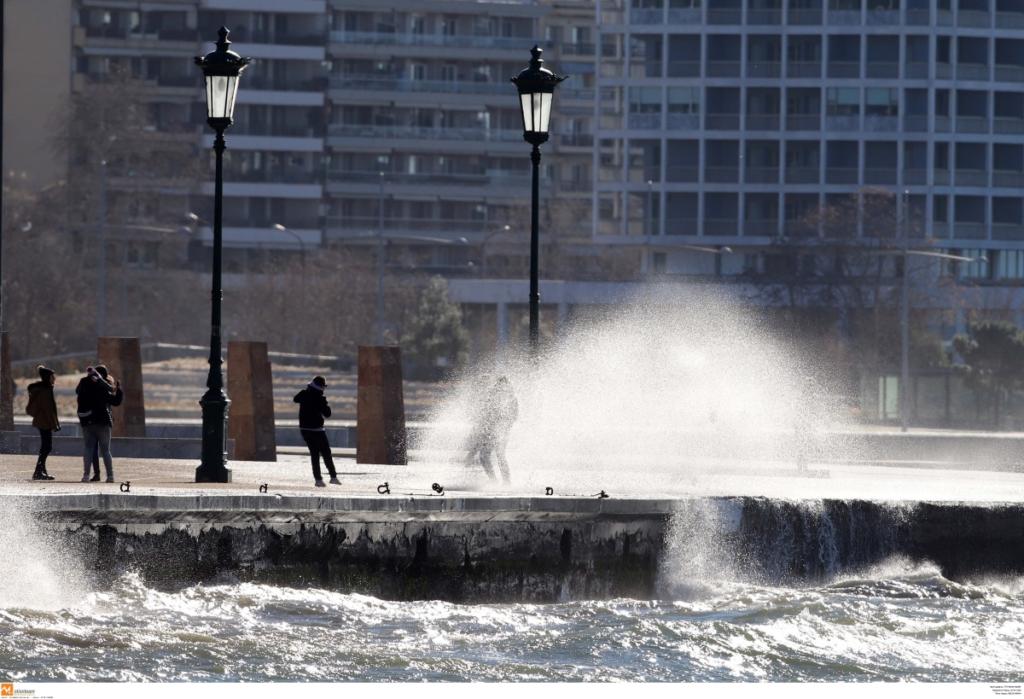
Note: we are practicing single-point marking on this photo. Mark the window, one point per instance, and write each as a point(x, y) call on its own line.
point(1009, 264)
point(843, 101)
point(881, 101)
point(684, 100)
point(645, 100)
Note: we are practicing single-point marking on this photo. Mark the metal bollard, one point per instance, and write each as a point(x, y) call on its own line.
point(549, 491)
point(384, 489)
point(437, 488)
point(126, 487)
point(264, 487)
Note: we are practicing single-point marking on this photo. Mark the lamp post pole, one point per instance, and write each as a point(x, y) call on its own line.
point(905, 321)
point(381, 253)
point(536, 86)
point(221, 69)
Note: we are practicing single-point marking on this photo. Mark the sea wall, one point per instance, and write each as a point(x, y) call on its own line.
point(520, 549)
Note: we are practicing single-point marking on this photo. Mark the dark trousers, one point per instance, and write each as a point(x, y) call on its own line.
point(45, 447)
point(318, 446)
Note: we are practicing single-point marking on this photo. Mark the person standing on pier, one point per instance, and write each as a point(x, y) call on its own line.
point(313, 409)
point(497, 413)
point(43, 408)
point(97, 393)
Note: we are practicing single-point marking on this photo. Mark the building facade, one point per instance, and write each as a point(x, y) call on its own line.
point(731, 122)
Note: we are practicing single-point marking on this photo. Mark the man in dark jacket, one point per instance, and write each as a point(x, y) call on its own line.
point(43, 408)
point(97, 392)
point(313, 408)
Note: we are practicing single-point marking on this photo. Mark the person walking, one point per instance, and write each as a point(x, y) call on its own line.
point(496, 414)
point(313, 408)
point(42, 406)
point(97, 393)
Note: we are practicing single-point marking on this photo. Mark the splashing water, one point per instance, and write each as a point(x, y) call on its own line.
point(38, 571)
point(678, 387)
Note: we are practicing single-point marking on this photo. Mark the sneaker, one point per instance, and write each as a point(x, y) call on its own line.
point(47, 476)
point(94, 479)
point(38, 476)
point(320, 484)
point(85, 479)
point(109, 480)
point(335, 481)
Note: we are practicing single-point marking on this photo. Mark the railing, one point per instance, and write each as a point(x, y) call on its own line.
point(722, 122)
point(943, 71)
point(972, 71)
point(446, 40)
point(969, 229)
point(684, 69)
point(842, 122)
point(720, 226)
point(273, 175)
point(802, 175)
point(1006, 178)
point(878, 122)
point(643, 120)
point(424, 132)
point(883, 17)
point(473, 179)
point(1007, 231)
point(841, 175)
point(258, 82)
point(1009, 20)
point(1008, 125)
point(1010, 73)
point(764, 16)
point(843, 69)
point(880, 175)
point(762, 122)
point(971, 124)
point(944, 18)
point(942, 123)
point(681, 173)
point(416, 225)
point(915, 122)
point(844, 17)
point(276, 130)
point(763, 69)
point(972, 178)
point(392, 84)
point(804, 17)
point(803, 69)
point(919, 17)
point(803, 122)
point(761, 227)
point(941, 176)
point(723, 69)
point(916, 70)
point(883, 69)
point(915, 176)
point(721, 174)
point(686, 15)
point(646, 16)
point(761, 175)
point(725, 16)
point(973, 18)
point(681, 226)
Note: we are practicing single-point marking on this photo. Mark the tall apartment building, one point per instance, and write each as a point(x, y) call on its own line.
point(724, 123)
point(356, 121)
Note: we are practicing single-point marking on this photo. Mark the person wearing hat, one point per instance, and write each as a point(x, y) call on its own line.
point(313, 408)
point(43, 408)
point(97, 393)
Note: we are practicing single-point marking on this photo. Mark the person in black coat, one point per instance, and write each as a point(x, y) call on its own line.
point(97, 393)
point(313, 408)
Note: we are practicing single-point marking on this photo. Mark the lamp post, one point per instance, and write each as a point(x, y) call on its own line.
point(536, 86)
point(221, 69)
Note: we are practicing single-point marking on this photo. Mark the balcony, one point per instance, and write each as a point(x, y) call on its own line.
point(720, 226)
point(973, 18)
point(883, 69)
point(684, 69)
point(764, 16)
point(1007, 178)
point(880, 175)
point(361, 224)
point(369, 131)
point(972, 71)
point(644, 121)
point(497, 178)
point(842, 122)
point(803, 122)
point(1010, 20)
point(943, 71)
point(916, 71)
point(804, 16)
point(762, 122)
point(973, 230)
point(441, 40)
point(802, 175)
point(883, 17)
point(919, 17)
point(759, 227)
point(915, 176)
point(264, 82)
point(878, 122)
point(971, 178)
point(761, 175)
point(942, 123)
point(681, 173)
point(646, 16)
point(284, 175)
point(944, 18)
point(1008, 125)
point(580, 48)
point(915, 122)
point(684, 15)
point(940, 177)
point(683, 120)
point(725, 16)
point(845, 18)
point(1010, 73)
point(1007, 231)
point(971, 124)
point(844, 69)
point(721, 174)
point(723, 69)
point(392, 84)
point(681, 226)
point(722, 122)
point(841, 175)
point(803, 69)
point(763, 69)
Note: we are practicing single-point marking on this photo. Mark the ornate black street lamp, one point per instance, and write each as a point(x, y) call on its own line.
point(536, 87)
point(222, 69)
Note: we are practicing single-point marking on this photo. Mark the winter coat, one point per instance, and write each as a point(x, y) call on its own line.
point(95, 399)
point(42, 406)
point(313, 408)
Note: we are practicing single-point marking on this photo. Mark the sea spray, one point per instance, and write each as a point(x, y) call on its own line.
point(650, 395)
point(40, 570)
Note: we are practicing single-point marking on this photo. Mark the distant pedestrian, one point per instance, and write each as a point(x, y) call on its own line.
point(495, 416)
point(43, 408)
point(313, 408)
point(97, 392)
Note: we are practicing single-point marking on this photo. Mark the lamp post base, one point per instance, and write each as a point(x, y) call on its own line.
point(214, 465)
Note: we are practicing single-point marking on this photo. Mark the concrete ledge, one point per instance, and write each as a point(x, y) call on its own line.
point(122, 447)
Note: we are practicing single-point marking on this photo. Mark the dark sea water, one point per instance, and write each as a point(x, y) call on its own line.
point(896, 623)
